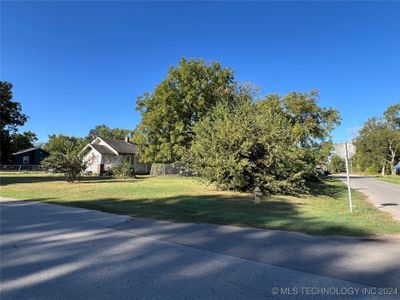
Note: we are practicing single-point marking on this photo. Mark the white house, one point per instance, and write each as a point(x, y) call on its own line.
point(103, 153)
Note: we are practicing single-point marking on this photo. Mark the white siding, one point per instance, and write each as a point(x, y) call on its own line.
point(93, 158)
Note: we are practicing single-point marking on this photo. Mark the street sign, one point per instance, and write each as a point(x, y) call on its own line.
point(346, 151)
point(340, 150)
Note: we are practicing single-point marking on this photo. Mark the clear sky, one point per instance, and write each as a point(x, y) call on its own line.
point(75, 65)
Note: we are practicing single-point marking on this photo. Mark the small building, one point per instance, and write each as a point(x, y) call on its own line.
point(397, 168)
point(104, 153)
point(32, 156)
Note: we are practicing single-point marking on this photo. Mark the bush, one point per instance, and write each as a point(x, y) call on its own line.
point(71, 165)
point(247, 147)
point(337, 164)
point(273, 144)
point(123, 170)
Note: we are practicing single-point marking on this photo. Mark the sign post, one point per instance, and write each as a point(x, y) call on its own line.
point(346, 151)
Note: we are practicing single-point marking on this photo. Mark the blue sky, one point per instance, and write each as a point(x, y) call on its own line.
point(78, 64)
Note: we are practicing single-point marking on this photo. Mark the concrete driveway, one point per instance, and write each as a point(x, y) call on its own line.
point(384, 195)
point(55, 252)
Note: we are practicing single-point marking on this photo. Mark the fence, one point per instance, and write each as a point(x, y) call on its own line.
point(164, 169)
point(158, 169)
point(19, 168)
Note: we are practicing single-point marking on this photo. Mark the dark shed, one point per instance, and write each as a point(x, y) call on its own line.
point(31, 156)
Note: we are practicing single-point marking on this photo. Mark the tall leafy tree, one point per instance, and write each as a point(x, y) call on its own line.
point(22, 141)
point(64, 144)
point(104, 131)
point(11, 117)
point(378, 142)
point(183, 98)
point(260, 143)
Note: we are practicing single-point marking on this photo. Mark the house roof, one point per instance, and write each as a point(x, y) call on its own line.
point(28, 150)
point(102, 149)
point(121, 146)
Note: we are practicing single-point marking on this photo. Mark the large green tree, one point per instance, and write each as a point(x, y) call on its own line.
point(273, 144)
point(64, 144)
point(183, 98)
point(104, 131)
point(11, 117)
point(378, 142)
point(22, 141)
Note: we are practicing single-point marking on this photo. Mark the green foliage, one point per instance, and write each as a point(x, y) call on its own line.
point(310, 122)
point(104, 131)
point(10, 111)
point(21, 141)
point(272, 143)
point(71, 165)
point(182, 99)
point(378, 142)
point(123, 170)
point(11, 117)
point(64, 144)
point(336, 164)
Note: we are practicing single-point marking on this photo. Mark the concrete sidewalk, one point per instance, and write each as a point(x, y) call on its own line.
point(52, 252)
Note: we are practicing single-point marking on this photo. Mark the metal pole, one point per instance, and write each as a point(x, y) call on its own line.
point(348, 177)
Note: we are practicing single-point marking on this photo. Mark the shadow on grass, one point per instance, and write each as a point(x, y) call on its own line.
point(217, 209)
point(327, 187)
point(8, 180)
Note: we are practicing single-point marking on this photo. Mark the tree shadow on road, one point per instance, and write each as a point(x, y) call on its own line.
point(68, 248)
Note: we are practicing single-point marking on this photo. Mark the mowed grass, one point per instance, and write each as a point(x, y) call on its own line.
point(392, 178)
point(324, 211)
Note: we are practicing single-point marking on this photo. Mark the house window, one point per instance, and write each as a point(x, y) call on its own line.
point(25, 160)
point(129, 159)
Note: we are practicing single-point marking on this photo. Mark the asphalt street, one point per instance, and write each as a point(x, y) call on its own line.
point(384, 195)
point(55, 252)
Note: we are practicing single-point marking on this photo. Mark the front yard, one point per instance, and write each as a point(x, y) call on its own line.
point(324, 211)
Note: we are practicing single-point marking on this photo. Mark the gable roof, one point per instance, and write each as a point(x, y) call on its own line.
point(101, 149)
point(29, 150)
point(121, 146)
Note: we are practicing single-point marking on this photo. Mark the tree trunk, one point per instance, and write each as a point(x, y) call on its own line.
point(383, 170)
point(394, 171)
point(392, 159)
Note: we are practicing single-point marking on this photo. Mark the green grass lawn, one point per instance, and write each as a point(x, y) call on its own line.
point(391, 178)
point(324, 211)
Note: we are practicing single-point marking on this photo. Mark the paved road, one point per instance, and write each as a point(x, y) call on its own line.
point(55, 252)
point(384, 195)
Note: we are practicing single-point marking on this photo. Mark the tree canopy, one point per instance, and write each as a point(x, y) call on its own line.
point(378, 142)
point(104, 131)
point(22, 141)
point(274, 143)
point(64, 144)
point(183, 98)
point(11, 117)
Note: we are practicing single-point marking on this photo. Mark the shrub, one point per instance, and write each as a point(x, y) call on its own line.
point(123, 170)
point(69, 164)
point(273, 144)
point(241, 148)
point(337, 164)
